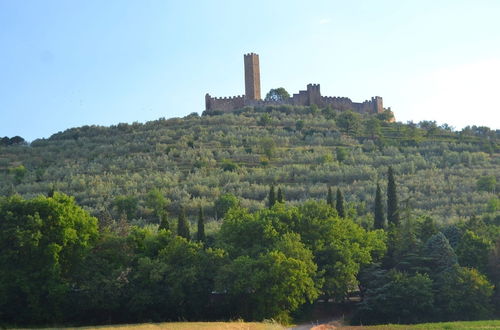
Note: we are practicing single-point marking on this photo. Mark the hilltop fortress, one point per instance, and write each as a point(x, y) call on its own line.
point(310, 96)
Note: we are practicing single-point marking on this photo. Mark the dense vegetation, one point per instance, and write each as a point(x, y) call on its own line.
point(195, 160)
point(411, 225)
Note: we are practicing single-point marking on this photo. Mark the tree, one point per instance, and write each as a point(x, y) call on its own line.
point(200, 234)
point(349, 122)
point(473, 251)
point(397, 298)
point(224, 203)
point(268, 146)
point(173, 278)
point(487, 183)
point(183, 225)
point(340, 204)
point(265, 120)
point(464, 294)
point(43, 242)
point(271, 197)
point(280, 198)
point(126, 205)
point(19, 172)
point(329, 198)
point(299, 125)
point(440, 253)
point(372, 126)
point(341, 154)
point(392, 199)
point(164, 225)
point(277, 95)
point(378, 210)
point(157, 202)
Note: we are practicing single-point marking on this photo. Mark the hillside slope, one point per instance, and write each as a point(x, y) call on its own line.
point(194, 160)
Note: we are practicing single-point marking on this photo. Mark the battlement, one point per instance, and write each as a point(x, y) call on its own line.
point(312, 95)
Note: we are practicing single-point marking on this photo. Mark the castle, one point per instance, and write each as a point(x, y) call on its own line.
point(310, 96)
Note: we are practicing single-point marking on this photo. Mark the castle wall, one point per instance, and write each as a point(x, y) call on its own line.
point(303, 98)
point(224, 103)
point(312, 95)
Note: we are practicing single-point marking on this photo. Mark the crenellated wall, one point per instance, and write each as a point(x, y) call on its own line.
point(312, 95)
point(224, 103)
point(303, 98)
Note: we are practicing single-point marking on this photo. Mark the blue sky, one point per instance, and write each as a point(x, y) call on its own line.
point(70, 63)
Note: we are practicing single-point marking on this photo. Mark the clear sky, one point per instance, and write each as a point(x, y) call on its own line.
point(67, 63)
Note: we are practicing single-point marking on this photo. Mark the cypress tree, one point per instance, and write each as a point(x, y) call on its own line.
point(200, 235)
point(272, 197)
point(378, 209)
point(392, 199)
point(340, 204)
point(281, 197)
point(329, 198)
point(183, 225)
point(164, 221)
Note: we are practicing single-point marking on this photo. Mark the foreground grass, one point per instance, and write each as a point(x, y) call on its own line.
point(491, 324)
point(193, 326)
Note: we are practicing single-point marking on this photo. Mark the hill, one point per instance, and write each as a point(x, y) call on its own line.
point(304, 150)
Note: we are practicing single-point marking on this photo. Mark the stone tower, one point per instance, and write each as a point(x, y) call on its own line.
point(252, 76)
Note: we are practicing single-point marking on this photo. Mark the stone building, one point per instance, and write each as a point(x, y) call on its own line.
point(312, 95)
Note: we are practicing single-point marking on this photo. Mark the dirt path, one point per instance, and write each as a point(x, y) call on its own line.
point(318, 325)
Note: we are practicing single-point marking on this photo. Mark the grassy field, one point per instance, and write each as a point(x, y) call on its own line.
point(491, 324)
point(193, 326)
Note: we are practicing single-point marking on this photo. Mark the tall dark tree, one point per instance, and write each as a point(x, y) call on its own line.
point(392, 198)
point(183, 225)
point(200, 235)
point(280, 198)
point(272, 197)
point(329, 198)
point(378, 209)
point(164, 221)
point(340, 204)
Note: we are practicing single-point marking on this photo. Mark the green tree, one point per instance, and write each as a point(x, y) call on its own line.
point(329, 198)
point(341, 154)
point(229, 166)
point(271, 197)
point(43, 242)
point(440, 253)
point(487, 183)
point(339, 204)
point(280, 197)
point(299, 125)
point(164, 224)
point(426, 228)
point(473, 251)
point(349, 122)
point(397, 298)
point(392, 199)
point(464, 294)
point(126, 205)
point(378, 210)
point(18, 172)
point(268, 146)
point(173, 278)
point(183, 225)
point(340, 246)
point(157, 202)
point(277, 94)
point(372, 127)
point(200, 234)
point(265, 120)
point(224, 203)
